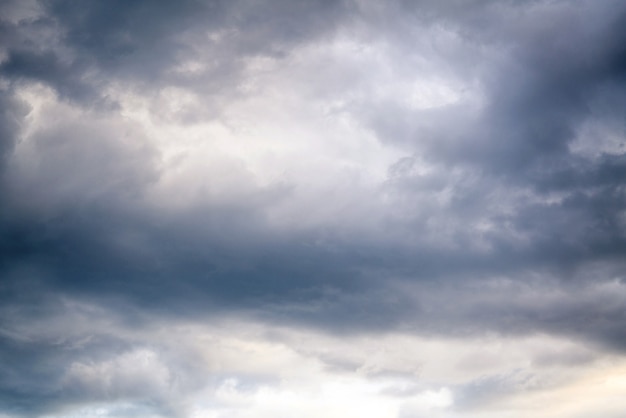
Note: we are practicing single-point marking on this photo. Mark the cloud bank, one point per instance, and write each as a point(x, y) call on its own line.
point(322, 208)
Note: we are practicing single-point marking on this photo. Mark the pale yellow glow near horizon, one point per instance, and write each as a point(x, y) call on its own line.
point(263, 371)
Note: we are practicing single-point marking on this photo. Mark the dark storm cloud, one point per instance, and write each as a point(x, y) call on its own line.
point(79, 49)
point(75, 219)
point(93, 235)
point(79, 353)
point(557, 65)
point(546, 66)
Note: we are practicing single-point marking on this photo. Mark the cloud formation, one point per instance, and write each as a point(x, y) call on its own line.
point(251, 208)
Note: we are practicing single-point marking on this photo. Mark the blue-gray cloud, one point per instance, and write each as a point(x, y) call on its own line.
point(504, 195)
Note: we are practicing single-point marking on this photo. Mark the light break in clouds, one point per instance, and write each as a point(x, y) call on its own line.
point(321, 208)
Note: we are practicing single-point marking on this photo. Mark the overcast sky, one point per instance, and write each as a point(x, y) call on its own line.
point(312, 208)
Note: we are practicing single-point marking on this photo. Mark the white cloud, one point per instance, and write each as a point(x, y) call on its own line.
point(134, 373)
point(239, 368)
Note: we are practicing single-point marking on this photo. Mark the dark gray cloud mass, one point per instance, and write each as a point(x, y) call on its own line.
point(502, 210)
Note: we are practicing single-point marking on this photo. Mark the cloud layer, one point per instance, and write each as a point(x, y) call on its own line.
point(251, 208)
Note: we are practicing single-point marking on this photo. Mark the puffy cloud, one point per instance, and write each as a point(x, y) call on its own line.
point(106, 365)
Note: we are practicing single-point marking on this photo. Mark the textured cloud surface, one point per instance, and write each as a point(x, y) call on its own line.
point(326, 208)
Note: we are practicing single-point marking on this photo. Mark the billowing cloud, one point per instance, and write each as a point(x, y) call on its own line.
point(339, 208)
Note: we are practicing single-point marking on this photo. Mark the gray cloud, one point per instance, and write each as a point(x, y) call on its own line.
point(148, 158)
point(94, 216)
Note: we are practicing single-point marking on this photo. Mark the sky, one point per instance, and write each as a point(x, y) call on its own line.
point(320, 208)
